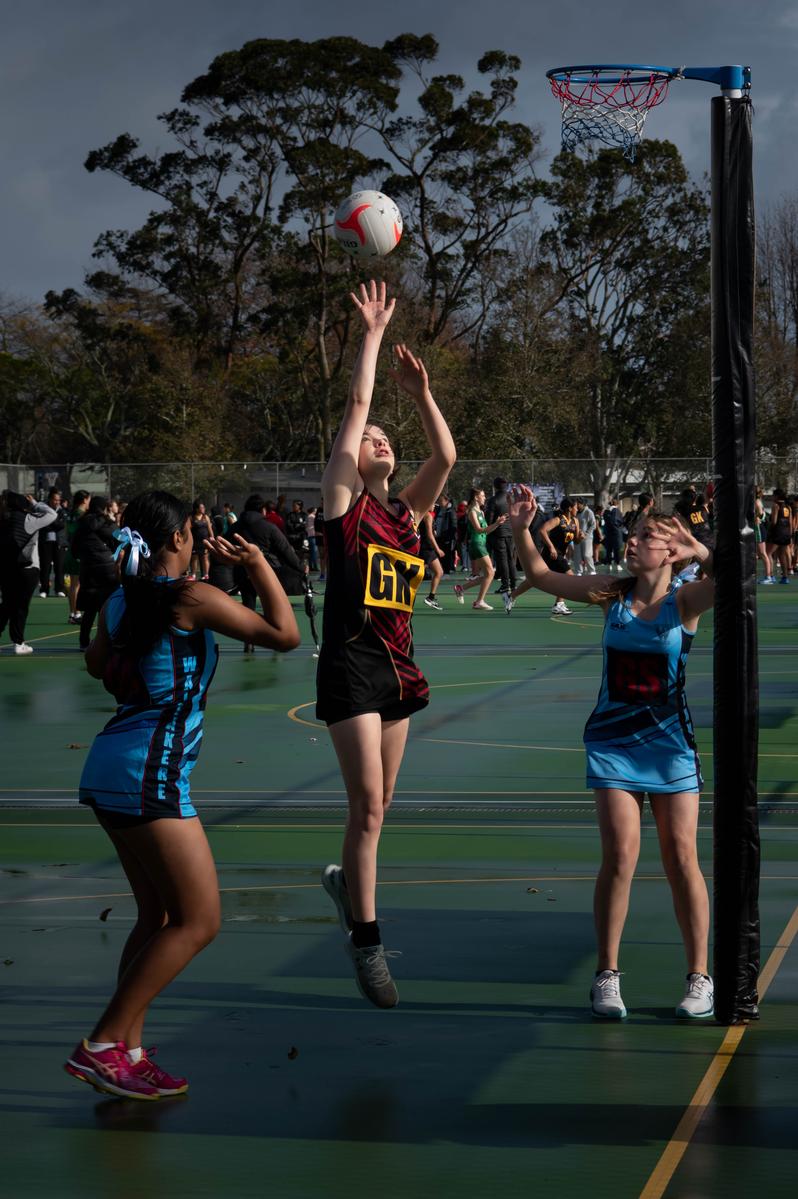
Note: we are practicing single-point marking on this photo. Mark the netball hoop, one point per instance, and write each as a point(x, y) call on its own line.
point(609, 104)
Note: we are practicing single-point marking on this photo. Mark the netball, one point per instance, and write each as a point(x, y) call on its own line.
point(368, 225)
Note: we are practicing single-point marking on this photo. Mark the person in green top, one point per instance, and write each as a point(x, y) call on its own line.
point(80, 506)
point(482, 569)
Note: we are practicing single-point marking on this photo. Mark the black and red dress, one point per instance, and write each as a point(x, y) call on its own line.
point(373, 573)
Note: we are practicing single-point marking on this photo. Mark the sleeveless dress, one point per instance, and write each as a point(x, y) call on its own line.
point(477, 542)
point(139, 765)
point(373, 573)
point(639, 736)
point(780, 532)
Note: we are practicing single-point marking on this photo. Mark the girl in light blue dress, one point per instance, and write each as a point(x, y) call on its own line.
point(639, 738)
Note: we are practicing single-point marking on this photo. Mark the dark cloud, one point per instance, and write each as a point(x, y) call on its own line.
point(73, 76)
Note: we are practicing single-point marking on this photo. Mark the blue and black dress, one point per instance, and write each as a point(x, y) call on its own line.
point(139, 765)
point(639, 736)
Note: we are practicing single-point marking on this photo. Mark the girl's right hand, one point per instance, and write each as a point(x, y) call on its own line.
point(522, 510)
point(374, 307)
point(237, 552)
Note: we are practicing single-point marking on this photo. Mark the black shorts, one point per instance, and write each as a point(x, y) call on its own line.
point(429, 555)
point(560, 565)
point(779, 536)
point(114, 820)
point(359, 677)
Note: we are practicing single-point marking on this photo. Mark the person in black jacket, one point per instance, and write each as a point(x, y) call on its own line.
point(94, 545)
point(253, 526)
point(21, 518)
point(500, 541)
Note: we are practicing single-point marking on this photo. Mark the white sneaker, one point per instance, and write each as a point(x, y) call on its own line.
point(42, 595)
point(509, 602)
point(61, 594)
point(698, 1002)
point(561, 608)
point(459, 593)
point(481, 606)
point(23, 648)
point(605, 996)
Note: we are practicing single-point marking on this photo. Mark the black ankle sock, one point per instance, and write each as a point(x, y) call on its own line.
point(365, 932)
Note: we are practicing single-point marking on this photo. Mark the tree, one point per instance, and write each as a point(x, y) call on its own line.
point(629, 244)
point(466, 176)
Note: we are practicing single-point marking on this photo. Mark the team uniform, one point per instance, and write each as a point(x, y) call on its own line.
point(780, 531)
point(639, 736)
point(695, 516)
point(138, 767)
point(373, 574)
point(426, 549)
point(478, 541)
point(561, 536)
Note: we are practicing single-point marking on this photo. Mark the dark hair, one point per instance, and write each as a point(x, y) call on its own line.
point(149, 601)
point(54, 491)
point(98, 505)
point(256, 502)
point(195, 507)
point(79, 497)
point(566, 503)
point(644, 499)
point(473, 492)
point(778, 493)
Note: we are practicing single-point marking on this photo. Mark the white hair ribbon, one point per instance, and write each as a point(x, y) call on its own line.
point(137, 546)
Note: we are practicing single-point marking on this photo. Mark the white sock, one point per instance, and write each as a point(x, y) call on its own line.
point(99, 1046)
point(135, 1055)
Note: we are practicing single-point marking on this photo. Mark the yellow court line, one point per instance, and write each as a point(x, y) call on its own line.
point(765, 977)
point(677, 1146)
point(73, 632)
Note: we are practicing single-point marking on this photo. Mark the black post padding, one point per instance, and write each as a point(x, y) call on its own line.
point(736, 824)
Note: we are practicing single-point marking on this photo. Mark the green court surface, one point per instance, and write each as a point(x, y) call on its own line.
point(490, 1078)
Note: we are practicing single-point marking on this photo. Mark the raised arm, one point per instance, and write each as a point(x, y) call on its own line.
point(208, 607)
point(420, 494)
point(340, 481)
point(573, 587)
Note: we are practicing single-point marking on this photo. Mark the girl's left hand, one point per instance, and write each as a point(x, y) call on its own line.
point(411, 374)
point(235, 553)
point(522, 511)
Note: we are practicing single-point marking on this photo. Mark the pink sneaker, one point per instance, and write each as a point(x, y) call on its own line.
point(110, 1071)
point(459, 593)
point(164, 1083)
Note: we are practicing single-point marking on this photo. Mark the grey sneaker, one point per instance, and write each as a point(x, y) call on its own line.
point(605, 996)
point(432, 602)
point(372, 975)
point(332, 879)
point(509, 602)
point(699, 994)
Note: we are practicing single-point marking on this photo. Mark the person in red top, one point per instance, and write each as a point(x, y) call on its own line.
point(368, 684)
point(274, 516)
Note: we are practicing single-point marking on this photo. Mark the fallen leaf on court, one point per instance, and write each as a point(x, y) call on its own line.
point(8, 962)
point(533, 890)
point(293, 1052)
point(550, 899)
point(104, 914)
point(77, 745)
point(240, 762)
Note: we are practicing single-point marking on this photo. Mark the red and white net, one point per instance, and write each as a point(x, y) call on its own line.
point(608, 106)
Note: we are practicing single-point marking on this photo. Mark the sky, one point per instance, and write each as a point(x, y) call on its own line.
point(76, 73)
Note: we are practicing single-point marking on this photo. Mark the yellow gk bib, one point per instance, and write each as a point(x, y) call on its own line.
point(392, 578)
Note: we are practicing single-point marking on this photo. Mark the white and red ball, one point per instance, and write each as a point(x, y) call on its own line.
point(368, 225)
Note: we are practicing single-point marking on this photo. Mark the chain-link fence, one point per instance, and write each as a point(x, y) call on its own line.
point(218, 482)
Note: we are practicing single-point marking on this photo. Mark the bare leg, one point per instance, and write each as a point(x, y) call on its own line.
point(488, 574)
point(176, 857)
point(436, 574)
point(619, 825)
point(369, 753)
point(677, 825)
point(74, 587)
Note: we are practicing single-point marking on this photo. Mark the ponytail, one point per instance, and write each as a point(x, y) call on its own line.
point(150, 601)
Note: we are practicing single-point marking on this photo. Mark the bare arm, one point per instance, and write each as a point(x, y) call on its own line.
point(207, 607)
point(573, 587)
point(340, 481)
point(421, 493)
point(96, 657)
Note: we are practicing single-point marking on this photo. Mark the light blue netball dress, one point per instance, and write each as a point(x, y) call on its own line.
point(139, 765)
point(639, 736)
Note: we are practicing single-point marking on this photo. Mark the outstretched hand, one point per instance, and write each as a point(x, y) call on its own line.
point(410, 373)
point(522, 509)
point(373, 305)
point(680, 541)
point(237, 552)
